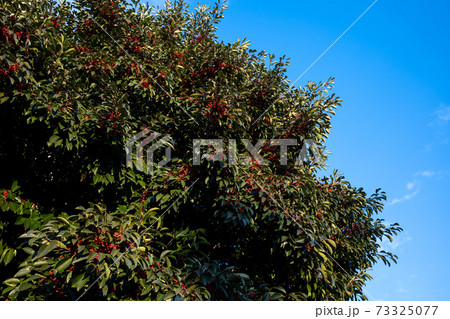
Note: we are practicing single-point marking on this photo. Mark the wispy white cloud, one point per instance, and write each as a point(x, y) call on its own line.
point(435, 175)
point(410, 186)
point(404, 284)
point(443, 113)
point(440, 125)
point(401, 289)
point(404, 198)
point(397, 242)
point(425, 173)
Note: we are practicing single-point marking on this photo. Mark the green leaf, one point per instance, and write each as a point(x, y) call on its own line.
point(147, 290)
point(9, 256)
point(69, 276)
point(105, 290)
point(28, 250)
point(110, 178)
point(15, 187)
point(332, 243)
point(324, 257)
point(63, 220)
point(46, 248)
point(63, 264)
point(12, 282)
point(23, 272)
point(79, 281)
point(128, 263)
point(4, 99)
point(53, 139)
point(25, 286)
point(164, 253)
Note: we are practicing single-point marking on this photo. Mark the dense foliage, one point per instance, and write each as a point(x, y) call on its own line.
point(78, 80)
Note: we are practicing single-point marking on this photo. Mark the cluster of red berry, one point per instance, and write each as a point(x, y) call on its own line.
point(216, 110)
point(4, 73)
point(319, 215)
point(144, 196)
point(209, 71)
point(258, 97)
point(145, 84)
point(133, 44)
point(301, 129)
point(110, 10)
point(112, 121)
point(14, 67)
point(354, 231)
point(273, 152)
point(87, 28)
point(183, 173)
point(77, 48)
point(21, 87)
point(55, 23)
point(327, 188)
point(198, 38)
point(7, 36)
point(57, 282)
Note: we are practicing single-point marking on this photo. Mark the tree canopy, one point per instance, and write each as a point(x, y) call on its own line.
point(78, 80)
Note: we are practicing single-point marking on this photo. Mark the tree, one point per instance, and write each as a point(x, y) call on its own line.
point(79, 80)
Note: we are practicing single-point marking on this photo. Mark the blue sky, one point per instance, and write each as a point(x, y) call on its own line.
point(392, 72)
